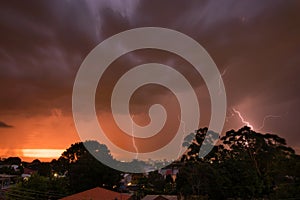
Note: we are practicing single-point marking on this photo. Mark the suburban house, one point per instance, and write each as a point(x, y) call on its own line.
point(171, 170)
point(98, 193)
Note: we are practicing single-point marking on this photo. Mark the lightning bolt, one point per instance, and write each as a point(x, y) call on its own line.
point(264, 120)
point(242, 118)
point(248, 123)
point(133, 140)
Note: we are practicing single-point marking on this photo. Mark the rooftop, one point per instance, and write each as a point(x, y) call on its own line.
point(98, 194)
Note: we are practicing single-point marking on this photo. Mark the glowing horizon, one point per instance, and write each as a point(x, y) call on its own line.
point(42, 153)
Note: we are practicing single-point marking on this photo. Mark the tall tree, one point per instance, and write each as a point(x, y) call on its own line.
point(84, 170)
point(246, 164)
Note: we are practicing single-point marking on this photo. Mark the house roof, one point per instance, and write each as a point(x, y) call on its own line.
point(160, 197)
point(29, 171)
point(98, 194)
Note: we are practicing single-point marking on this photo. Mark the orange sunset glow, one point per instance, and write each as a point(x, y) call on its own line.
point(42, 137)
point(45, 155)
point(42, 153)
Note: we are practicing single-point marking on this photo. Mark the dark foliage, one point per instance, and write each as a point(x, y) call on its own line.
point(245, 165)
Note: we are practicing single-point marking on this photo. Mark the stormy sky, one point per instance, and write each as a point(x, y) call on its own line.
point(255, 45)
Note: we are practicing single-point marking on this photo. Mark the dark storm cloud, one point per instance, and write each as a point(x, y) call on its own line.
point(4, 125)
point(44, 42)
point(42, 46)
point(257, 42)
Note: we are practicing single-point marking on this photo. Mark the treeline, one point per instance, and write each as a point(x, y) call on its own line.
point(245, 164)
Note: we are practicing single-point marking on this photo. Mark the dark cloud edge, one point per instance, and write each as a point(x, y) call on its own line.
point(4, 125)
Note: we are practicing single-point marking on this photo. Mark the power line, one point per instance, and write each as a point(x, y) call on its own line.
point(40, 192)
point(27, 194)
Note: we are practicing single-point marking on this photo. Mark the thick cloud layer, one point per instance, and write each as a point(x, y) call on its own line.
point(255, 44)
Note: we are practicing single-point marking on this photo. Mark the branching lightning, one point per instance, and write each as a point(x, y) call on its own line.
point(265, 118)
point(133, 140)
point(248, 123)
point(242, 118)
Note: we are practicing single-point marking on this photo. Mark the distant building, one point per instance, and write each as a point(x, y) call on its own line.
point(28, 172)
point(15, 167)
point(171, 170)
point(98, 194)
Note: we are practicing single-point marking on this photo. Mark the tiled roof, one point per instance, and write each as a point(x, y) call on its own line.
point(160, 197)
point(98, 194)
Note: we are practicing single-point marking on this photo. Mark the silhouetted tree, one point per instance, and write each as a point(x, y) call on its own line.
point(12, 161)
point(156, 182)
point(246, 164)
point(85, 171)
